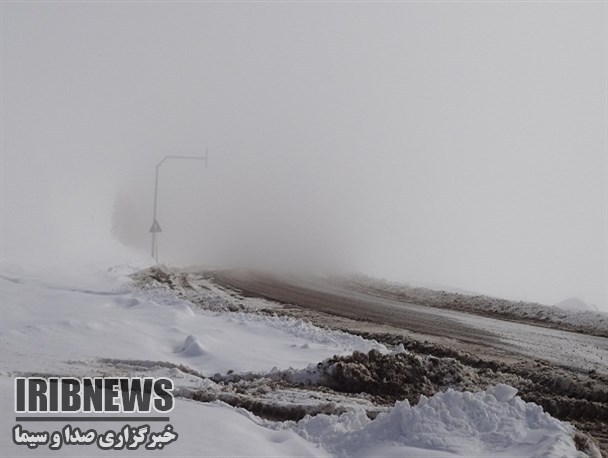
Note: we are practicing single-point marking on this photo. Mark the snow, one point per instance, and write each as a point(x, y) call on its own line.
point(89, 319)
point(581, 318)
point(491, 423)
point(110, 319)
point(574, 304)
point(205, 429)
point(575, 349)
point(504, 393)
point(585, 352)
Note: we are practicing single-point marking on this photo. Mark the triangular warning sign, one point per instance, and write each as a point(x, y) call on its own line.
point(155, 227)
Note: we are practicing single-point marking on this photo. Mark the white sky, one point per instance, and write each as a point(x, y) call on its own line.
point(457, 143)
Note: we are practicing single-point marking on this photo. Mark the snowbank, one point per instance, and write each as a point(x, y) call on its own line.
point(490, 423)
point(575, 304)
point(90, 320)
point(205, 429)
point(583, 321)
point(56, 317)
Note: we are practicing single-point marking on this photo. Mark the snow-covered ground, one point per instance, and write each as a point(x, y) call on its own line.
point(92, 320)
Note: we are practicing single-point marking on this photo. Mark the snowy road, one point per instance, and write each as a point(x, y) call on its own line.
point(493, 337)
point(246, 379)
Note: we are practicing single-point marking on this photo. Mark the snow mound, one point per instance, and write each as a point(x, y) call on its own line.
point(502, 392)
point(490, 423)
point(191, 347)
point(574, 303)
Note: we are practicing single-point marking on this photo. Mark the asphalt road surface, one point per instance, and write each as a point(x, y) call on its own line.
point(486, 336)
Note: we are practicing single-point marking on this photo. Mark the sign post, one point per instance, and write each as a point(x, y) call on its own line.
point(155, 229)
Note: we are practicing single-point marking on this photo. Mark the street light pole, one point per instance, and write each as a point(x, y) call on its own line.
point(155, 226)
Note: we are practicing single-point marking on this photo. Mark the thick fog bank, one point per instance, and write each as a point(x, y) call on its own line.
point(460, 144)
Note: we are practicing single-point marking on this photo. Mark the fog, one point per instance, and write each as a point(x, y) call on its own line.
point(461, 144)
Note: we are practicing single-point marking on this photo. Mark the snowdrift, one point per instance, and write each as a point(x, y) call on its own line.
point(490, 423)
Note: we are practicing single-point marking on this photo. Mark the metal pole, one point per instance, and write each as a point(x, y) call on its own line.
point(155, 226)
point(154, 251)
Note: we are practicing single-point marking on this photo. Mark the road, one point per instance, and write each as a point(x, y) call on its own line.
point(564, 372)
point(489, 336)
